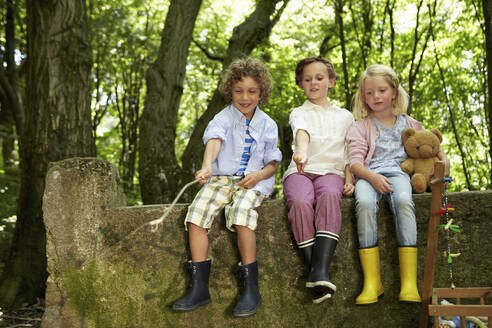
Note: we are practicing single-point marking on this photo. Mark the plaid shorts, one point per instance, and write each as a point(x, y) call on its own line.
point(220, 192)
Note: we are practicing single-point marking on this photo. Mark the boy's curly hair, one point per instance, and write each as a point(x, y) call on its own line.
point(243, 67)
point(306, 61)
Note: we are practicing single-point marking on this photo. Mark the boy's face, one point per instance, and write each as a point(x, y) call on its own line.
point(316, 82)
point(245, 96)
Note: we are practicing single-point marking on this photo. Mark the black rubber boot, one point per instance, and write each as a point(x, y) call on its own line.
point(318, 297)
point(323, 250)
point(307, 253)
point(250, 299)
point(198, 294)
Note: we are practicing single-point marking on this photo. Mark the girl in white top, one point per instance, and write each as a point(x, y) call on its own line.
point(318, 174)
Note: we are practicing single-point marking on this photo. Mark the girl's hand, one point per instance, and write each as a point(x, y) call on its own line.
point(381, 183)
point(250, 180)
point(348, 189)
point(204, 174)
point(300, 158)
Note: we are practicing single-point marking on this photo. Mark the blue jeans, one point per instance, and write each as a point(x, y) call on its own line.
point(401, 204)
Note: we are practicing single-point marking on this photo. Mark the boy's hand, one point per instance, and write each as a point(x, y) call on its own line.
point(381, 183)
point(250, 180)
point(348, 189)
point(204, 174)
point(300, 158)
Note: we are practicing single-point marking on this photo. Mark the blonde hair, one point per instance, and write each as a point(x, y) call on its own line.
point(244, 67)
point(400, 103)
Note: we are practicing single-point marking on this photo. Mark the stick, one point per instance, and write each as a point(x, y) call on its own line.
point(154, 224)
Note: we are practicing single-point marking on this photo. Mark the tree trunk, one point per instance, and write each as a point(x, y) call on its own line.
point(415, 63)
point(338, 4)
point(7, 136)
point(363, 38)
point(59, 126)
point(487, 11)
point(12, 112)
point(160, 174)
point(390, 8)
point(128, 107)
point(453, 124)
point(245, 38)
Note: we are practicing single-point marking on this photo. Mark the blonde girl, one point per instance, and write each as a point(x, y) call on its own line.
point(375, 153)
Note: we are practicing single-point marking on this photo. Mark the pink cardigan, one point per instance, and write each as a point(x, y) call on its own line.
point(361, 139)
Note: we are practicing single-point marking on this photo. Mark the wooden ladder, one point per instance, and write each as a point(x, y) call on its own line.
point(434, 309)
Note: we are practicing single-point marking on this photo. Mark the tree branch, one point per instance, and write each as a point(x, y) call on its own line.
point(206, 52)
point(451, 114)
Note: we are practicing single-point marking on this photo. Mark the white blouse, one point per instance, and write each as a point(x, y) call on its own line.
point(327, 129)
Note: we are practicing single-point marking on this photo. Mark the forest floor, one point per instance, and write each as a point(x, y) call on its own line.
point(25, 317)
point(29, 316)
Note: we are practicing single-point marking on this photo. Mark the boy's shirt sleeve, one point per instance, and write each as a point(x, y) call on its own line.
point(216, 128)
point(272, 153)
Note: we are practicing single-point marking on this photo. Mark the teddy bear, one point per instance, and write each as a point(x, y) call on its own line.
point(422, 147)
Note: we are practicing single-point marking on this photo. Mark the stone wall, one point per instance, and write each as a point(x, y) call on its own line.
point(102, 274)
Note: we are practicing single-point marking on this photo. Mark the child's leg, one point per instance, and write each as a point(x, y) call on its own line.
point(406, 228)
point(366, 205)
point(366, 208)
point(328, 192)
point(198, 238)
point(328, 216)
point(207, 203)
point(403, 208)
point(299, 197)
point(241, 216)
point(211, 198)
point(246, 242)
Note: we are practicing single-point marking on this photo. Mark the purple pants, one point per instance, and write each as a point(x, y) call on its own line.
point(314, 205)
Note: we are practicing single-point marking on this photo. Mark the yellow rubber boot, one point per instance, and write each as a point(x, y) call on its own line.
point(373, 288)
point(408, 275)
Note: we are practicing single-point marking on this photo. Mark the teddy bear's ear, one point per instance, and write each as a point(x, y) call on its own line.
point(407, 133)
point(437, 133)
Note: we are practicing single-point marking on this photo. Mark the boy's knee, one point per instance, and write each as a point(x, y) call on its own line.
point(243, 230)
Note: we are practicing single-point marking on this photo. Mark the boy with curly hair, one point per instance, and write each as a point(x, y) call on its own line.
point(238, 173)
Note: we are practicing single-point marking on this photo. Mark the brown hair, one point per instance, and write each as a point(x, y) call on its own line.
point(306, 61)
point(240, 68)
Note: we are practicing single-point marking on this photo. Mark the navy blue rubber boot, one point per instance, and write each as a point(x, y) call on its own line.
point(250, 299)
point(198, 294)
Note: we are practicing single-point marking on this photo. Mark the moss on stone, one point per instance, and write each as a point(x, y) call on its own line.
point(115, 296)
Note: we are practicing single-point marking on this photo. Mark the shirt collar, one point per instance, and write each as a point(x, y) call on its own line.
point(309, 105)
point(239, 117)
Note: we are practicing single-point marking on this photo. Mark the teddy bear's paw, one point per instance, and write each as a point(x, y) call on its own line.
point(419, 183)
